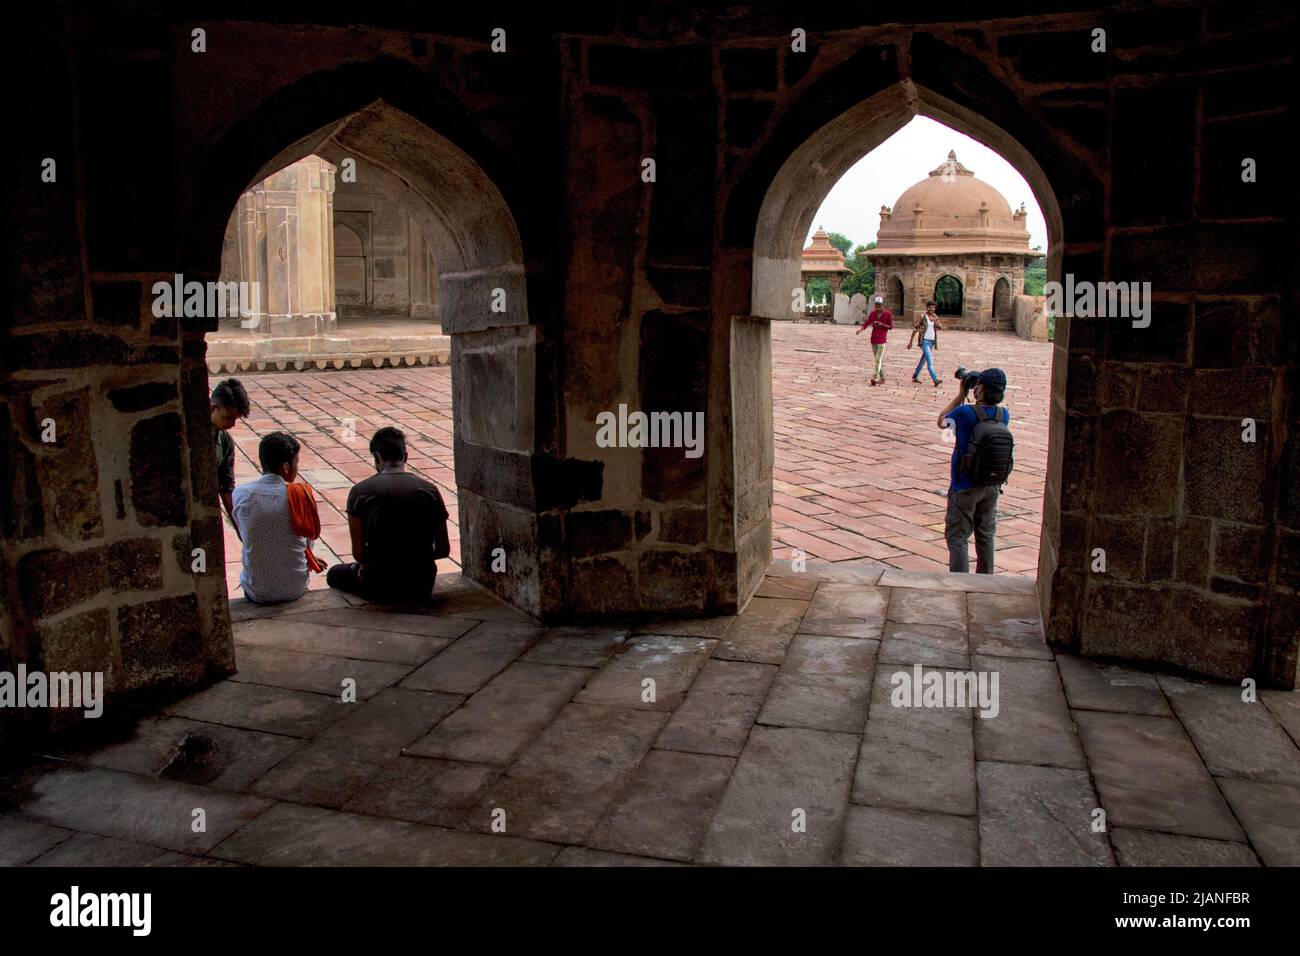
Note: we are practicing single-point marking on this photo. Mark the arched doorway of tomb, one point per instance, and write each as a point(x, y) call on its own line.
point(894, 297)
point(1002, 298)
point(473, 433)
point(948, 297)
point(351, 267)
point(778, 197)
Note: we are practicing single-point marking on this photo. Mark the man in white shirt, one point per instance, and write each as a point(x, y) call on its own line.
point(275, 559)
point(926, 332)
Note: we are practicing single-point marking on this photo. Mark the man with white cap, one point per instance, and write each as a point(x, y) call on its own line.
point(880, 320)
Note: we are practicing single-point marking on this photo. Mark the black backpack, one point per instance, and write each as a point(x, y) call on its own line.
point(989, 456)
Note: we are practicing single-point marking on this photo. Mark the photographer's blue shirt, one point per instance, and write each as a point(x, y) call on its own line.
point(963, 421)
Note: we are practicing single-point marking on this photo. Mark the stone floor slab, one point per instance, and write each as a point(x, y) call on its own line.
point(1285, 706)
point(191, 751)
point(22, 841)
point(791, 588)
point(581, 856)
point(288, 835)
point(475, 658)
point(1149, 776)
point(577, 646)
point(1149, 848)
point(86, 849)
point(393, 718)
point(1270, 812)
point(138, 809)
point(1234, 737)
point(1006, 625)
point(933, 645)
point(1038, 816)
point(763, 632)
point(285, 634)
point(874, 836)
point(981, 583)
point(499, 721)
point(560, 786)
point(719, 709)
point(324, 772)
point(665, 806)
point(846, 610)
point(918, 758)
point(368, 619)
point(783, 770)
point(824, 684)
point(944, 608)
point(273, 710)
point(423, 790)
point(314, 673)
point(1090, 685)
point(1033, 723)
point(671, 662)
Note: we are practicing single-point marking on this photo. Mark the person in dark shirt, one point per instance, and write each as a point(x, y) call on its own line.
point(229, 404)
point(398, 524)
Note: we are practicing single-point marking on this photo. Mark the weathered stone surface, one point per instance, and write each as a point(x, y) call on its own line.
point(475, 658)
point(783, 770)
point(1006, 625)
point(316, 673)
point(665, 806)
point(823, 684)
point(499, 721)
point(393, 718)
point(51, 581)
point(561, 784)
point(189, 751)
point(576, 646)
point(1270, 812)
point(580, 856)
point(288, 835)
point(763, 632)
point(1234, 738)
point(1033, 724)
point(326, 772)
point(274, 710)
point(286, 634)
point(933, 645)
point(22, 841)
point(1285, 706)
point(81, 642)
point(671, 662)
point(844, 610)
point(983, 583)
point(918, 758)
point(1149, 848)
point(128, 807)
point(719, 709)
point(67, 467)
point(1149, 776)
point(917, 606)
point(875, 836)
point(439, 624)
point(795, 589)
point(157, 471)
point(161, 641)
point(1093, 686)
point(1038, 816)
point(422, 790)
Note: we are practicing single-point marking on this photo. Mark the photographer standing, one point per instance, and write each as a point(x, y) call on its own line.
point(981, 460)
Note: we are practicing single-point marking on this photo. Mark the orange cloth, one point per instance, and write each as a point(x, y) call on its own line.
point(304, 519)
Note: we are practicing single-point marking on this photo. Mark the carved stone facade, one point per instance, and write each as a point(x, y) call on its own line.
point(954, 239)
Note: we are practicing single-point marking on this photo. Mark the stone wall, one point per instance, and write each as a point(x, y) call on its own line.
point(1029, 316)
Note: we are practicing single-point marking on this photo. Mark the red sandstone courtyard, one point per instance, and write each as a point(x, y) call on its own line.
point(860, 472)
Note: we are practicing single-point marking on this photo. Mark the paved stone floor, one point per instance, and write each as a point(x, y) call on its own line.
point(478, 737)
point(860, 472)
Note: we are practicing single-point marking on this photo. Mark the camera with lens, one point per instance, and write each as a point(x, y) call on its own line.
point(969, 379)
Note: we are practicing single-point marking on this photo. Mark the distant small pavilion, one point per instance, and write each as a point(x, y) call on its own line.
point(822, 259)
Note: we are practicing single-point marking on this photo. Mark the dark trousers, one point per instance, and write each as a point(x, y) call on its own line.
point(975, 509)
point(347, 577)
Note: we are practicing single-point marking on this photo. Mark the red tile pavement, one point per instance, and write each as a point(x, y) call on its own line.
point(860, 472)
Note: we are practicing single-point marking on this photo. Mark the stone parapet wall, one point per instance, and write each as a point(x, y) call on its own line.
point(1029, 317)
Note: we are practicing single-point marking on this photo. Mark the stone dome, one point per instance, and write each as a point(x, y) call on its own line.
point(951, 211)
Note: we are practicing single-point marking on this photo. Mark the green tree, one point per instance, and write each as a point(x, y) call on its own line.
point(819, 289)
point(1036, 276)
point(862, 272)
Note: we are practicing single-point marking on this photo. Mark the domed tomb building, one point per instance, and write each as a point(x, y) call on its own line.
point(952, 238)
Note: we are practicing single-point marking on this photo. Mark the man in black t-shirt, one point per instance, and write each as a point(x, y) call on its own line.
point(398, 524)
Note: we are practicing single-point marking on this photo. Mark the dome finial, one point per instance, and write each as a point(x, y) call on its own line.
point(952, 154)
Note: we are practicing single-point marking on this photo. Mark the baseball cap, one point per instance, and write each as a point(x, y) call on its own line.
point(993, 378)
point(879, 299)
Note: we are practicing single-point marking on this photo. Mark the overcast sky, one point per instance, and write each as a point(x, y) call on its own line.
point(879, 178)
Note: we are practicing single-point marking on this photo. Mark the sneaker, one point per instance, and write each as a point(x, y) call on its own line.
point(916, 380)
point(936, 382)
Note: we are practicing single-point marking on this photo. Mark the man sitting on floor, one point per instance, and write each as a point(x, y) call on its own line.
point(399, 529)
point(276, 518)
